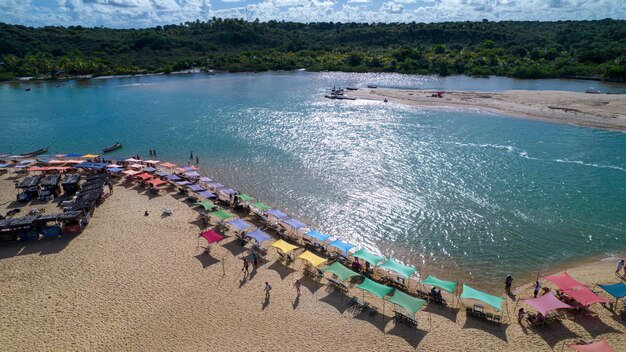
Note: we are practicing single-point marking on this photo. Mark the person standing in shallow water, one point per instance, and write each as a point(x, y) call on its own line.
point(620, 265)
point(197, 160)
point(507, 283)
point(537, 288)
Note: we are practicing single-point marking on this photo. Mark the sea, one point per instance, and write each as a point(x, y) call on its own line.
point(461, 194)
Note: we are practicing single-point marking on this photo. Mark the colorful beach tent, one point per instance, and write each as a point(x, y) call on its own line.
point(115, 169)
point(183, 183)
point(194, 187)
point(546, 303)
point(239, 224)
point(221, 214)
point(149, 169)
point(259, 236)
point(204, 179)
point(207, 205)
point(261, 206)
point(344, 247)
point(163, 173)
point(72, 161)
point(168, 165)
point(130, 172)
point(564, 281)
point(207, 194)
point(374, 288)
point(617, 290)
point(404, 270)
point(136, 166)
point(277, 214)
point(174, 178)
point(192, 174)
point(228, 191)
point(312, 258)
point(318, 235)
point(111, 166)
point(408, 302)
point(444, 285)
point(215, 185)
point(56, 162)
point(74, 155)
point(295, 224)
point(156, 182)
point(151, 161)
point(132, 160)
point(91, 165)
point(368, 256)
point(285, 247)
point(472, 293)
point(585, 296)
point(90, 156)
point(212, 236)
point(246, 198)
point(597, 346)
point(341, 271)
point(144, 176)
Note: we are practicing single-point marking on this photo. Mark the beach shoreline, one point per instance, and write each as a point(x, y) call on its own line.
point(135, 282)
point(604, 111)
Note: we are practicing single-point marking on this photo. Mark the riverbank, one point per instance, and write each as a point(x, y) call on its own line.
point(607, 111)
point(134, 282)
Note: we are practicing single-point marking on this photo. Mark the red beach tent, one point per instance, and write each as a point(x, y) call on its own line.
point(546, 303)
point(564, 281)
point(598, 346)
point(585, 296)
point(212, 236)
point(156, 182)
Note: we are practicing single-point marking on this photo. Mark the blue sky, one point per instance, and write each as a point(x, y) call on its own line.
point(146, 13)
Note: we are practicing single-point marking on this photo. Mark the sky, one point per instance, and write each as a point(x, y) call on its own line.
point(149, 13)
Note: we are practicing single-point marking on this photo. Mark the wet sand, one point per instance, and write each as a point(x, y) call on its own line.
point(607, 111)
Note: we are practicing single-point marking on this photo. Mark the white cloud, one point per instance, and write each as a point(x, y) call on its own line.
point(144, 13)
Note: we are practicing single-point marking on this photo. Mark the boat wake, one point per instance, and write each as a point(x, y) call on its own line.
point(590, 164)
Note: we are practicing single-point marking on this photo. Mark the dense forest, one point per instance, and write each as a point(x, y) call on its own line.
point(517, 49)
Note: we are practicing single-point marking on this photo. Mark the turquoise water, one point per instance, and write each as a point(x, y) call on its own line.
point(458, 193)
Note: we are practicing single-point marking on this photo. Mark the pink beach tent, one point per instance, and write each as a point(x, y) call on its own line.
point(564, 281)
point(585, 296)
point(597, 346)
point(168, 165)
point(212, 236)
point(546, 303)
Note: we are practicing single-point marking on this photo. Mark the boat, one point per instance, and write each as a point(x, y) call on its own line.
point(27, 89)
point(340, 97)
point(36, 152)
point(372, 86)
point(115, 146)
point(592, 90)
point(352, 88)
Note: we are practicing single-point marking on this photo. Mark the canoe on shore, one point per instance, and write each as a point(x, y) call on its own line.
point(115, 146)
point(36, 152)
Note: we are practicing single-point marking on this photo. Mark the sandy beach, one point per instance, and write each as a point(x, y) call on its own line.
point(131, 282)
point(606, 111)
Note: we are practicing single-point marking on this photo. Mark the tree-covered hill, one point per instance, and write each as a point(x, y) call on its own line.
point(519, 49)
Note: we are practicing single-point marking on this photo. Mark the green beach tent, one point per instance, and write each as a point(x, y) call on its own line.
point(368, 256)
point(222, 214)
point(408, 302)
point(403, 270)
point(442, 284)
point(245, 197)
point(341, 271)
point(375, 288)
point(472, 293)
point(261, 206)
point(207, 205)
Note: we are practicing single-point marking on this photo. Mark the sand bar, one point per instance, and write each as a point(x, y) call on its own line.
point(131, 282)
point(607, 111)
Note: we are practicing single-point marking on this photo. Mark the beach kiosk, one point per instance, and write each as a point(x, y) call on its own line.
point(50, 186)
point(30, 189)
point(71, 183)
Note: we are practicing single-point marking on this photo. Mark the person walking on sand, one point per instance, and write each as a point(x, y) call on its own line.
point(520, 315)
point(267, 290)
point(297, 286)
point(507, 283)
point(246, 266)
point(537, 288)
point(620, 265)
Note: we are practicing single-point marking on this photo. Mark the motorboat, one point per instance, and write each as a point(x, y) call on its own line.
point(115, 146)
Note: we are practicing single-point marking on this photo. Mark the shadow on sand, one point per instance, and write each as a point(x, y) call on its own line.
point(413, 336)
point(206, 259)
point(495, 329)
point(43, 246)
point(447, 312)
point(336, 299)
point(282, 270)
